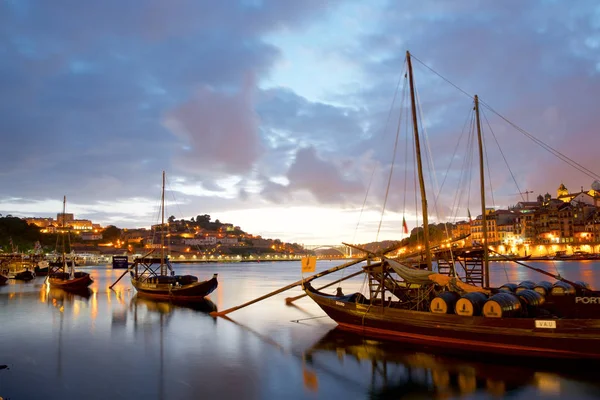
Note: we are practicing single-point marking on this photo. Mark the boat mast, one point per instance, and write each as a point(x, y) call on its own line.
point(162, 230)
point(486, 263)
point(419, 164)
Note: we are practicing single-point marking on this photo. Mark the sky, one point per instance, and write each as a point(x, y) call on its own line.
point(282, 117)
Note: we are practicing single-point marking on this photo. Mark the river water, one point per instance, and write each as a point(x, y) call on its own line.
point(112, 345)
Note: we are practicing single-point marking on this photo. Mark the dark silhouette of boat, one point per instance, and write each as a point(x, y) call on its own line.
point(154, 277)
point(62, 274)
point(25, 274)
point(441, 310)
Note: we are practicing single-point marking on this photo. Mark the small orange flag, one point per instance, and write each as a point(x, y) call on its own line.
point(309, 264)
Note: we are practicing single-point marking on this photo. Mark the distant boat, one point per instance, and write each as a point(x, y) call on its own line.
point(41, 268)
point(508, 257)
point(18, 268)
point(62, 274)
point(153, 276)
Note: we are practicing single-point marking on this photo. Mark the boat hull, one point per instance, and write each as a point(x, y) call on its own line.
point(26, 275)
point(41, 271)
point(81, 281)
point(195, 291)
point(570, 339)
point(3, 279)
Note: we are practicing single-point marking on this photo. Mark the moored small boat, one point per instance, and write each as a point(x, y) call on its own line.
point(154, 277)
point(62, 274)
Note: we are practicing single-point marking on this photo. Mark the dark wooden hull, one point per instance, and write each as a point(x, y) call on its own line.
point(195, 291)
point(572, 338)
point(3, 279)
point(41, 271)
point(81, 281)
point(25, 275)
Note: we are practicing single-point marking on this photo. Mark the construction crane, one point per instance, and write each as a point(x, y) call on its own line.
point(526, 193)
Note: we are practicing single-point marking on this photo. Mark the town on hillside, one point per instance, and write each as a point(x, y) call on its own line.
point(196, 239)
point(549, 227)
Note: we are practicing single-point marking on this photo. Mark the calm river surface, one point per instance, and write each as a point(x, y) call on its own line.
point(112, 345)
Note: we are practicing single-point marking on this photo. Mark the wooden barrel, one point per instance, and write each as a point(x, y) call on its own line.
point(444, 303)
point(502, 305)
point(543, 287)
point(583, 284)
point(531, 297)
point(508, 287)
point(561, 288)
point(470, 304)
point(525, 285)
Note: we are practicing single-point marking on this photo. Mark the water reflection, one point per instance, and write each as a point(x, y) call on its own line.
point(397, 370)
point(54, 294)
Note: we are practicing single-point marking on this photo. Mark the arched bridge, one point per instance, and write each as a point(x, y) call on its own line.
point(344, 250)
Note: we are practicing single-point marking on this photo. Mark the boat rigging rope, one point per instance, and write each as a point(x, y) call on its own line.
point(537, 141)
point(502, 153)
point(387, 190)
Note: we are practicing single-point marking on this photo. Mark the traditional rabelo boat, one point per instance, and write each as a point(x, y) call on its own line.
point(454, 309)
point(153, 276)
point(62, 274)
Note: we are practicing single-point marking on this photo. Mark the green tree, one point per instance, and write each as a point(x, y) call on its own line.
point(111, 233)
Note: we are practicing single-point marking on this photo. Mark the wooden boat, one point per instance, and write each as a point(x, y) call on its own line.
point(547, 320)
point(3, 278)
point(16, 266)
point(42, 268)
point(509, 257)
point(26, 274)
point(62, 274)
point(154, 277)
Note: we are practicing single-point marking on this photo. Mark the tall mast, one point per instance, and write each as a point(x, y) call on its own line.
point(486, 263)
point(162, 225)
point(419, 164)
point(64, 257)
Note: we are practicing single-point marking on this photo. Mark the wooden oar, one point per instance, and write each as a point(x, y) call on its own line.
point(124, 273)
point(290, 300)
point(283, 289)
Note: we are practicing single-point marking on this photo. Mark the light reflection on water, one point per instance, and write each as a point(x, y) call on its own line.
point(111, 344)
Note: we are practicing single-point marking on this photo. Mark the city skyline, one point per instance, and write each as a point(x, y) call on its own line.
point(272, 115)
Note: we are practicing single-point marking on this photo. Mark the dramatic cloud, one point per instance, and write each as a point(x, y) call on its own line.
point(267, 104)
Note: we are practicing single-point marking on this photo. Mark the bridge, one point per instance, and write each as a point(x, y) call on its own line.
point(344, 250)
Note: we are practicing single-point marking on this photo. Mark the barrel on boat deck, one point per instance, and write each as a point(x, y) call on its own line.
point(561, 288)
point(508, 287)
point(470, 304)
point(531, 297)
point(444, 303)
point(502, 305)
point(525, 285)
point(583, 284)
point(543, 288)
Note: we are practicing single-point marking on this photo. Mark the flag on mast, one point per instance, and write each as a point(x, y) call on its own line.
point(404, 226)
point(469, 213)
